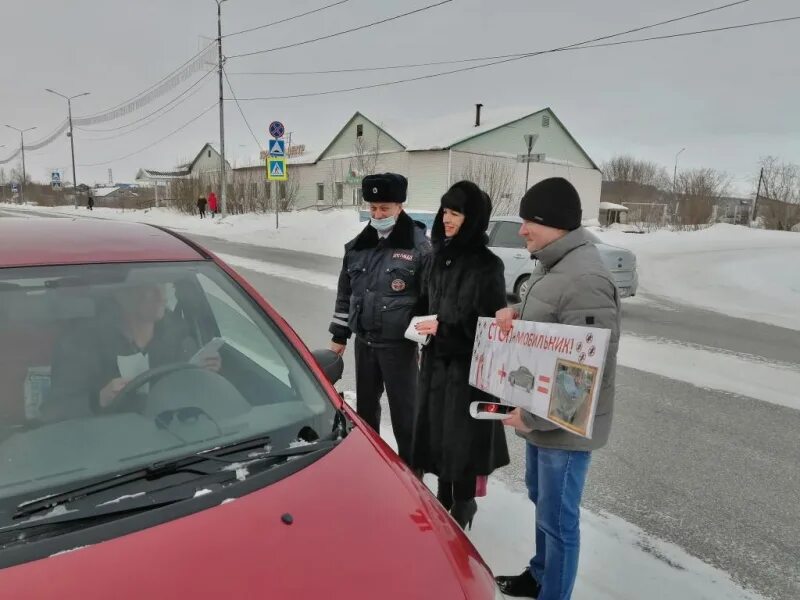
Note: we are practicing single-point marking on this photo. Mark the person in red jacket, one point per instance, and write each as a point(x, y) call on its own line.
point(212, 203)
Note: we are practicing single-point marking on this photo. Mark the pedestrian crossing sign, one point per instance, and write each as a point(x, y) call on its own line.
point(276, 169)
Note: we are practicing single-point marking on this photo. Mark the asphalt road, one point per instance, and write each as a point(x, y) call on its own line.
point(714, 473)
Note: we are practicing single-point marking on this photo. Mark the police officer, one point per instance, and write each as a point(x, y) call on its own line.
point(379, 288)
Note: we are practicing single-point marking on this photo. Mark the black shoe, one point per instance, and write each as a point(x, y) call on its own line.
point(519, 586)
point(464, 512)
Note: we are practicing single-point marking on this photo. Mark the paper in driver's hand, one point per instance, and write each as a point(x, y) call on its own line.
point(132, 366)
point(414, 335)
point(210, 350)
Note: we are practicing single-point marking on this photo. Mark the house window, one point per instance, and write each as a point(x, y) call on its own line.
point(339, 191)
point(359, 131)
point(546, 121)
point(268, 190)
point(282, 190)
point(320, 192)
point(209, 154)
point(254, 189)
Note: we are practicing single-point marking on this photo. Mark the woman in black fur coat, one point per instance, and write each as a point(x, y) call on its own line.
point(465, 282)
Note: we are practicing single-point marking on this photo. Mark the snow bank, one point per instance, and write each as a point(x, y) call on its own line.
point(305, 231)
point(713, 369)
point(747, 273)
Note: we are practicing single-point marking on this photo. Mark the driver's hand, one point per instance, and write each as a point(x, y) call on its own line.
point(213, 363)
point(112, 389)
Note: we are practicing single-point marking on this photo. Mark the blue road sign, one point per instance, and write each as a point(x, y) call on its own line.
point(276, 129)
point(277, 148)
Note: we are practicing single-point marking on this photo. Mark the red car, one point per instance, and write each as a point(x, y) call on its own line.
point(165, 434)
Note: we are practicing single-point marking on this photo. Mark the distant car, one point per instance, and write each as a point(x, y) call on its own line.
point(523, 378)
point(505, 241)
point(251, 478)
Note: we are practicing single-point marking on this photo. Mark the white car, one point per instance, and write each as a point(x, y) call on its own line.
point(505, 242)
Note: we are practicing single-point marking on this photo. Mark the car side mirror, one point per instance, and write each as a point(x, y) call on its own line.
point(330, 363)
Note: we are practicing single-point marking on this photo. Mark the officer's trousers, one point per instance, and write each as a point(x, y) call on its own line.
point(394, 368)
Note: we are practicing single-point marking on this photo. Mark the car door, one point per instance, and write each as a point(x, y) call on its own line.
point(506, 243)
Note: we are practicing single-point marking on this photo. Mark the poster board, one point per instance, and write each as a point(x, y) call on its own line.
point(551, 370)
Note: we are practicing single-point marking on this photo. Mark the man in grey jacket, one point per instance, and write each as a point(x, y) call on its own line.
point(569, 285)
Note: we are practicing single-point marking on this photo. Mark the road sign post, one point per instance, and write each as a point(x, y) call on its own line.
point(276, 162)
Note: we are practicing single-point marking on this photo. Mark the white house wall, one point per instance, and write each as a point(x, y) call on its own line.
point(427, 179)
point(553, 141)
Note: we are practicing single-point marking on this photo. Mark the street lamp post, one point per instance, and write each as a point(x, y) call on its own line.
point(675, 172)
point(530, 140)
point(71, 138)
point(22, 150)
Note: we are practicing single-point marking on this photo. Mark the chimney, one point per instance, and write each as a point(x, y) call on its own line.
point(478, 114)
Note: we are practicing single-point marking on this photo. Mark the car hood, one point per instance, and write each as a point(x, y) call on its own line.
point(362, 527)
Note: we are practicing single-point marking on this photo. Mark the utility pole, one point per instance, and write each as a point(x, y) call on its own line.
point(675, 182)
point(22, 149)
point(755, 200)
point(71, 138)
point(223, 195)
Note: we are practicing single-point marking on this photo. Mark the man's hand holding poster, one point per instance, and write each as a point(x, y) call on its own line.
point(553, 371)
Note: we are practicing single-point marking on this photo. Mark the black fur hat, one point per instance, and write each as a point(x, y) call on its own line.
point(471, 201)
point(384, 187)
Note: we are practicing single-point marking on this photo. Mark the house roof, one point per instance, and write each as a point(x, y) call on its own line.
point(102, 192)
point(444, 132)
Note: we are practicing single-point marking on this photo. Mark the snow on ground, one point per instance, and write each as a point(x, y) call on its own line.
point(747, 273)
point(618, 560)
point(713, 369)
point(316, 278)
point(306, 231)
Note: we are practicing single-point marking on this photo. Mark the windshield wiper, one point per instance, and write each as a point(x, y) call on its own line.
point(182, 464)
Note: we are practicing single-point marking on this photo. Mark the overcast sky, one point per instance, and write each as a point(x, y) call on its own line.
point(729, 98)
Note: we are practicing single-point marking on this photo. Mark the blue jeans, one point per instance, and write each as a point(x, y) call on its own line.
point(555, 480)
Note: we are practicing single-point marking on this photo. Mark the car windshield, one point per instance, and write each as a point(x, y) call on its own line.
point(104, 368)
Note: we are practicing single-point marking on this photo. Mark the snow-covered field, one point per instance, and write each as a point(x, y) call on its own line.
point(746, 273)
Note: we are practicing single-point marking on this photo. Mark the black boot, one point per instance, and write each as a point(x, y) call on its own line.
point(519, 586)
point(444, 493)
point(464, 511)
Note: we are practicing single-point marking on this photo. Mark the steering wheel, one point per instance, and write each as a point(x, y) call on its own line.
point(147, 377)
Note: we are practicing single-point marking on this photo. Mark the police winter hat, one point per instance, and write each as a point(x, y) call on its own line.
point(384, 187)
point(553, 202)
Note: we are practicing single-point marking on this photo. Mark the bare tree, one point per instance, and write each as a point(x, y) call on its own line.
point(625, 168)
point(365, 156)
point(778, 203)
point(497, 178)
point(697, 191)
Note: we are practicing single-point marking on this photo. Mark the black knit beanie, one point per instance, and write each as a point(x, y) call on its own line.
point(553, 202)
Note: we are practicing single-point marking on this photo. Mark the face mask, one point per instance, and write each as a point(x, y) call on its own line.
point(383, 225)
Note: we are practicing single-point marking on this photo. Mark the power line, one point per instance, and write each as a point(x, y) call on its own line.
point(187, 90)
point(346, 31)
point(241, 112)
point(487, 58)
point(286, 20)
point(152, 87)
point(521, 57)
point(158, 141)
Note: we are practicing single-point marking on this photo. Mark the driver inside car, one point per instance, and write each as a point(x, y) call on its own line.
point(91, 367)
